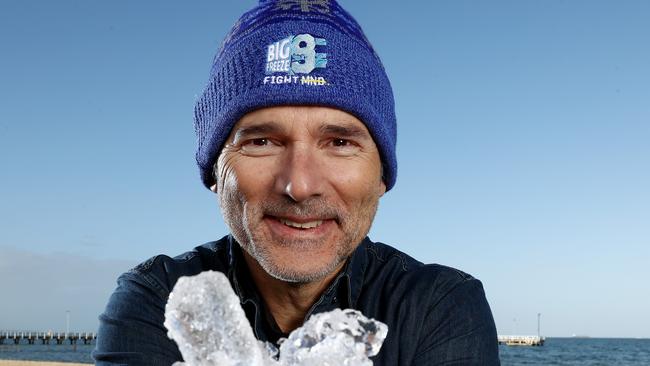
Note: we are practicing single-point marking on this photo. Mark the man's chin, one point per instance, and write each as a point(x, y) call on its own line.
point(300, 274)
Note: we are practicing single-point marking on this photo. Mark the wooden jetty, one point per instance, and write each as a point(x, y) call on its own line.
point(516, 340)
point(31, 337)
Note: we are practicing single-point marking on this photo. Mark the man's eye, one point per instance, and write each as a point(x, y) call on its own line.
point(340, 142)
point(343, 147)
point(260, 146)
point(260, 142)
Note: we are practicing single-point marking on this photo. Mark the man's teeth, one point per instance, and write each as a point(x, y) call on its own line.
point(304, 225)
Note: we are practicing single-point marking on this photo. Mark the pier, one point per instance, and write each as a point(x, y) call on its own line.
point(32, 337)
point(518, 340)
point(524, 340)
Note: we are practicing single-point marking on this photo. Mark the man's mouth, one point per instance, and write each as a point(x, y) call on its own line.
point(301, 225)
point(297, 227)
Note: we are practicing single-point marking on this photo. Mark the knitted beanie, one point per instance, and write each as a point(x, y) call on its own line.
point(295, 52)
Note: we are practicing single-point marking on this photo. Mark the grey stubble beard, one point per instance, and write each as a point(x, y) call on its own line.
point(243, 230)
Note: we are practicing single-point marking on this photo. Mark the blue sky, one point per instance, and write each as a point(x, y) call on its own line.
point(523, 152)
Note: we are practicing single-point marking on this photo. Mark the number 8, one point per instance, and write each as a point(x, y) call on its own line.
point(306, 54)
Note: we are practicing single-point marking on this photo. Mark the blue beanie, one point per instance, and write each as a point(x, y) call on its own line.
point(295, 52)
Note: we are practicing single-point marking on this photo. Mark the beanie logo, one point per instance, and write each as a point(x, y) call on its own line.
point(295, 55)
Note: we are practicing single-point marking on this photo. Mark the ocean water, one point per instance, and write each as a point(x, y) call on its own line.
point(556, 351)
point(43, 352)
point(579, 352)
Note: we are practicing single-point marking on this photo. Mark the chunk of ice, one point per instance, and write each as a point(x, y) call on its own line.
point(338, 337)
point(209, 326)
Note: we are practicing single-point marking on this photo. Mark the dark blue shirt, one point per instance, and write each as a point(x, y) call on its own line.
point(436, 315)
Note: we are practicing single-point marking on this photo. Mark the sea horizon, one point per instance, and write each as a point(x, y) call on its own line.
point(575, 351)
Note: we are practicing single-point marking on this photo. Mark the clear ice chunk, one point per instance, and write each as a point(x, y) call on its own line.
point(338, 337)
point(209, 326)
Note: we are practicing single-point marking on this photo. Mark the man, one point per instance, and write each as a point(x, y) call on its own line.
point(296, 134)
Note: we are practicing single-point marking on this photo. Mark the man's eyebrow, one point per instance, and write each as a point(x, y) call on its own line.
point(344, 131)
point(265, 128)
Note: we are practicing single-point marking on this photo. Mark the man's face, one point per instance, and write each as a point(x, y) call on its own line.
point(299, 188)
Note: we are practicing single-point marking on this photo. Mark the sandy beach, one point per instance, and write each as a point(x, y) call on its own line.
point(38, 363)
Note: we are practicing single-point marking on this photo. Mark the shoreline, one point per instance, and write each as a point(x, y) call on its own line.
point(38, 363)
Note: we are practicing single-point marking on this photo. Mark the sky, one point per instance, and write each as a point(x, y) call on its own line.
point(523, 151)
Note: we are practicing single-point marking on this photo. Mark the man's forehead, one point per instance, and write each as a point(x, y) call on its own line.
point(321, 120)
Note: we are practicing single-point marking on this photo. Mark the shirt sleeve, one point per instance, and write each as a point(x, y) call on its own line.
point(459, 329)
point(131, 330)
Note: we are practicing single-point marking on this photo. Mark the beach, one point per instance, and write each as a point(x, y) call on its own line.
point(38, 363)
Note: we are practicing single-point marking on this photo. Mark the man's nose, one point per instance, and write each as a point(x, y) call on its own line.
point(300, 176)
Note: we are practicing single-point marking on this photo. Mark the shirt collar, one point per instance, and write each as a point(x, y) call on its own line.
point(355, 272)
point(238, 273)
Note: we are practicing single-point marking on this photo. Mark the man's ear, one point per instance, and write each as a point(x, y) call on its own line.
point(213, 188)
point(382, 188)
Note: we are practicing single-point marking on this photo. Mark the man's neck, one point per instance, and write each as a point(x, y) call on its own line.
point(288, 302)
